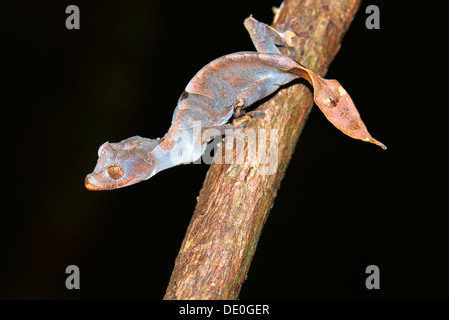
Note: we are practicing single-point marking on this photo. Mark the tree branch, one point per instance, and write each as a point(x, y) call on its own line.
point(235, 200)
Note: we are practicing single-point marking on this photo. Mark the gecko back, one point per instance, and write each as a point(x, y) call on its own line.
point(234, 80)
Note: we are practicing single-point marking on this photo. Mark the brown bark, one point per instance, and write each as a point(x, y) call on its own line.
point(235, 200)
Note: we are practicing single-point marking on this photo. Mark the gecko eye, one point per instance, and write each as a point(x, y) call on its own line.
point(115, 172)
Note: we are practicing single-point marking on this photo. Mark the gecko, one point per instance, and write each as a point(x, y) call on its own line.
point(222, 90)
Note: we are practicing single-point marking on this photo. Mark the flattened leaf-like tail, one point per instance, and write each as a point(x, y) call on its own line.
point(337, 106)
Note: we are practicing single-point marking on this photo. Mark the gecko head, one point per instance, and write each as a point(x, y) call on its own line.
point(122, 164)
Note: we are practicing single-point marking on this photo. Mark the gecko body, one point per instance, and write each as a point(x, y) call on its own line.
point(220, 90)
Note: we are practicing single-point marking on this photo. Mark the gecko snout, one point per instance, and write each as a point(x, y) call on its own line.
point(89, 185)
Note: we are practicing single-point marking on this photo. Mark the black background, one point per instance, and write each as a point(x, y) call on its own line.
point(342, 206)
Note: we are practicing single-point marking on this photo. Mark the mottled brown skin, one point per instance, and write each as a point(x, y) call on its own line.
point(221, 89)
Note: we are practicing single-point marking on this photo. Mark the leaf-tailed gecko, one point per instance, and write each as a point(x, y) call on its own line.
point(221, 90)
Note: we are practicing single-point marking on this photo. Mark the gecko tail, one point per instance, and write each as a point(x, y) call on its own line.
point(337, 106)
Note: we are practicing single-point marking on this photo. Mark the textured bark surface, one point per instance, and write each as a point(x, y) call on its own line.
point(235, 200)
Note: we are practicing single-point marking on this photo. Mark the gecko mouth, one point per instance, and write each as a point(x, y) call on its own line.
point(90, 186)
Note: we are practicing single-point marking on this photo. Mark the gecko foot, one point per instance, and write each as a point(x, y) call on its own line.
point(288, 36)
point(243, 119)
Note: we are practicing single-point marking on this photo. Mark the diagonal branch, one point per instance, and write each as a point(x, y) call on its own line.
point(236, 199)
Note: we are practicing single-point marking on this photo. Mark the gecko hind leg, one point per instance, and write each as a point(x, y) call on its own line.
point(266, 38)
point(240, 113)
